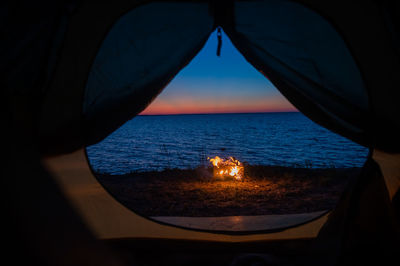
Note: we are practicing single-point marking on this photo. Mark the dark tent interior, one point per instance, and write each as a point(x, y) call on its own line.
point(75, 71)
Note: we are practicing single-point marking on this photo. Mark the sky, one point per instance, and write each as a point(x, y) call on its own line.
point(225, 84)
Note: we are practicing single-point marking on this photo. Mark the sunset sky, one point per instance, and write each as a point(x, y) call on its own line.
point(225, 84)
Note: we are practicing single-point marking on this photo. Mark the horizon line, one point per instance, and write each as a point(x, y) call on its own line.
point(221, 113)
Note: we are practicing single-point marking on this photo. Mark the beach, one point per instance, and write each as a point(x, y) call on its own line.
point(197, 193)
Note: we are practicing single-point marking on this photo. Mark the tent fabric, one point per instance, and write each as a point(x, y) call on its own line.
point(61, 127)
point(325, 74)
point(370, 40)
point(312, 65)
point(364, 222)
point(315, 67)
point(292, 44)
point(345, 87)
point(355, 93)
point(28, 51)
point(42, 226)
point(137, 60)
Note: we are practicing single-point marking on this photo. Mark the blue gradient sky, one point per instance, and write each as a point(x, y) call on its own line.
point(225, 84)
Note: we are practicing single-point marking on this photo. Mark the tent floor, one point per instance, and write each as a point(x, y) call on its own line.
point(240, 223)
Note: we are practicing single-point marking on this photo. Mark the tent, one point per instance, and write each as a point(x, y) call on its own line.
point(73, 72)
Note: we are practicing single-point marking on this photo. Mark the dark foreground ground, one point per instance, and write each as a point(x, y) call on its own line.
point(264, 190)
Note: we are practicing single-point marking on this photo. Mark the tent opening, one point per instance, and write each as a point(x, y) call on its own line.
point(221, 149)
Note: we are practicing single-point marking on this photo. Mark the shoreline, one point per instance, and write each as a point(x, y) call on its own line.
point(196, 193)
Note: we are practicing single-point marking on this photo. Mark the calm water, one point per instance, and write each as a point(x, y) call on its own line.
point(184, 141)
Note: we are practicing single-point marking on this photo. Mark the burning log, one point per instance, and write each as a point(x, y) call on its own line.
point(227, 167)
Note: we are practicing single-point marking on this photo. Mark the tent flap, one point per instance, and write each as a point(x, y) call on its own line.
point(115, 60)
point(143, 51)
point(307, 60)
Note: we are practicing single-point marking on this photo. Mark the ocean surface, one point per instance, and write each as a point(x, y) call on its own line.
point(185, 141)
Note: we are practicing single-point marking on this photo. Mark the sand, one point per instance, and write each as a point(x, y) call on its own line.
point(196, 193)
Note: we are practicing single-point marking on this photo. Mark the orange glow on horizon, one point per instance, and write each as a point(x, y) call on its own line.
point(188, 105)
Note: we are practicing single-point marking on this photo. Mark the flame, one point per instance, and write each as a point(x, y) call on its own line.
point(229, 167)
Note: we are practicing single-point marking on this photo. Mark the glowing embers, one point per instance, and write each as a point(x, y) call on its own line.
point(227, 168)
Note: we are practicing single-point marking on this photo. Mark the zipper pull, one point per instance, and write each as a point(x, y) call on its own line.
point(219, 37)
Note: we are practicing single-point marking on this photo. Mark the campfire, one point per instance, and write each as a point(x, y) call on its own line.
point(227, 168)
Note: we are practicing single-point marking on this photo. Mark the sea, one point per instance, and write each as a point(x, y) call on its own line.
point(155, 143)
